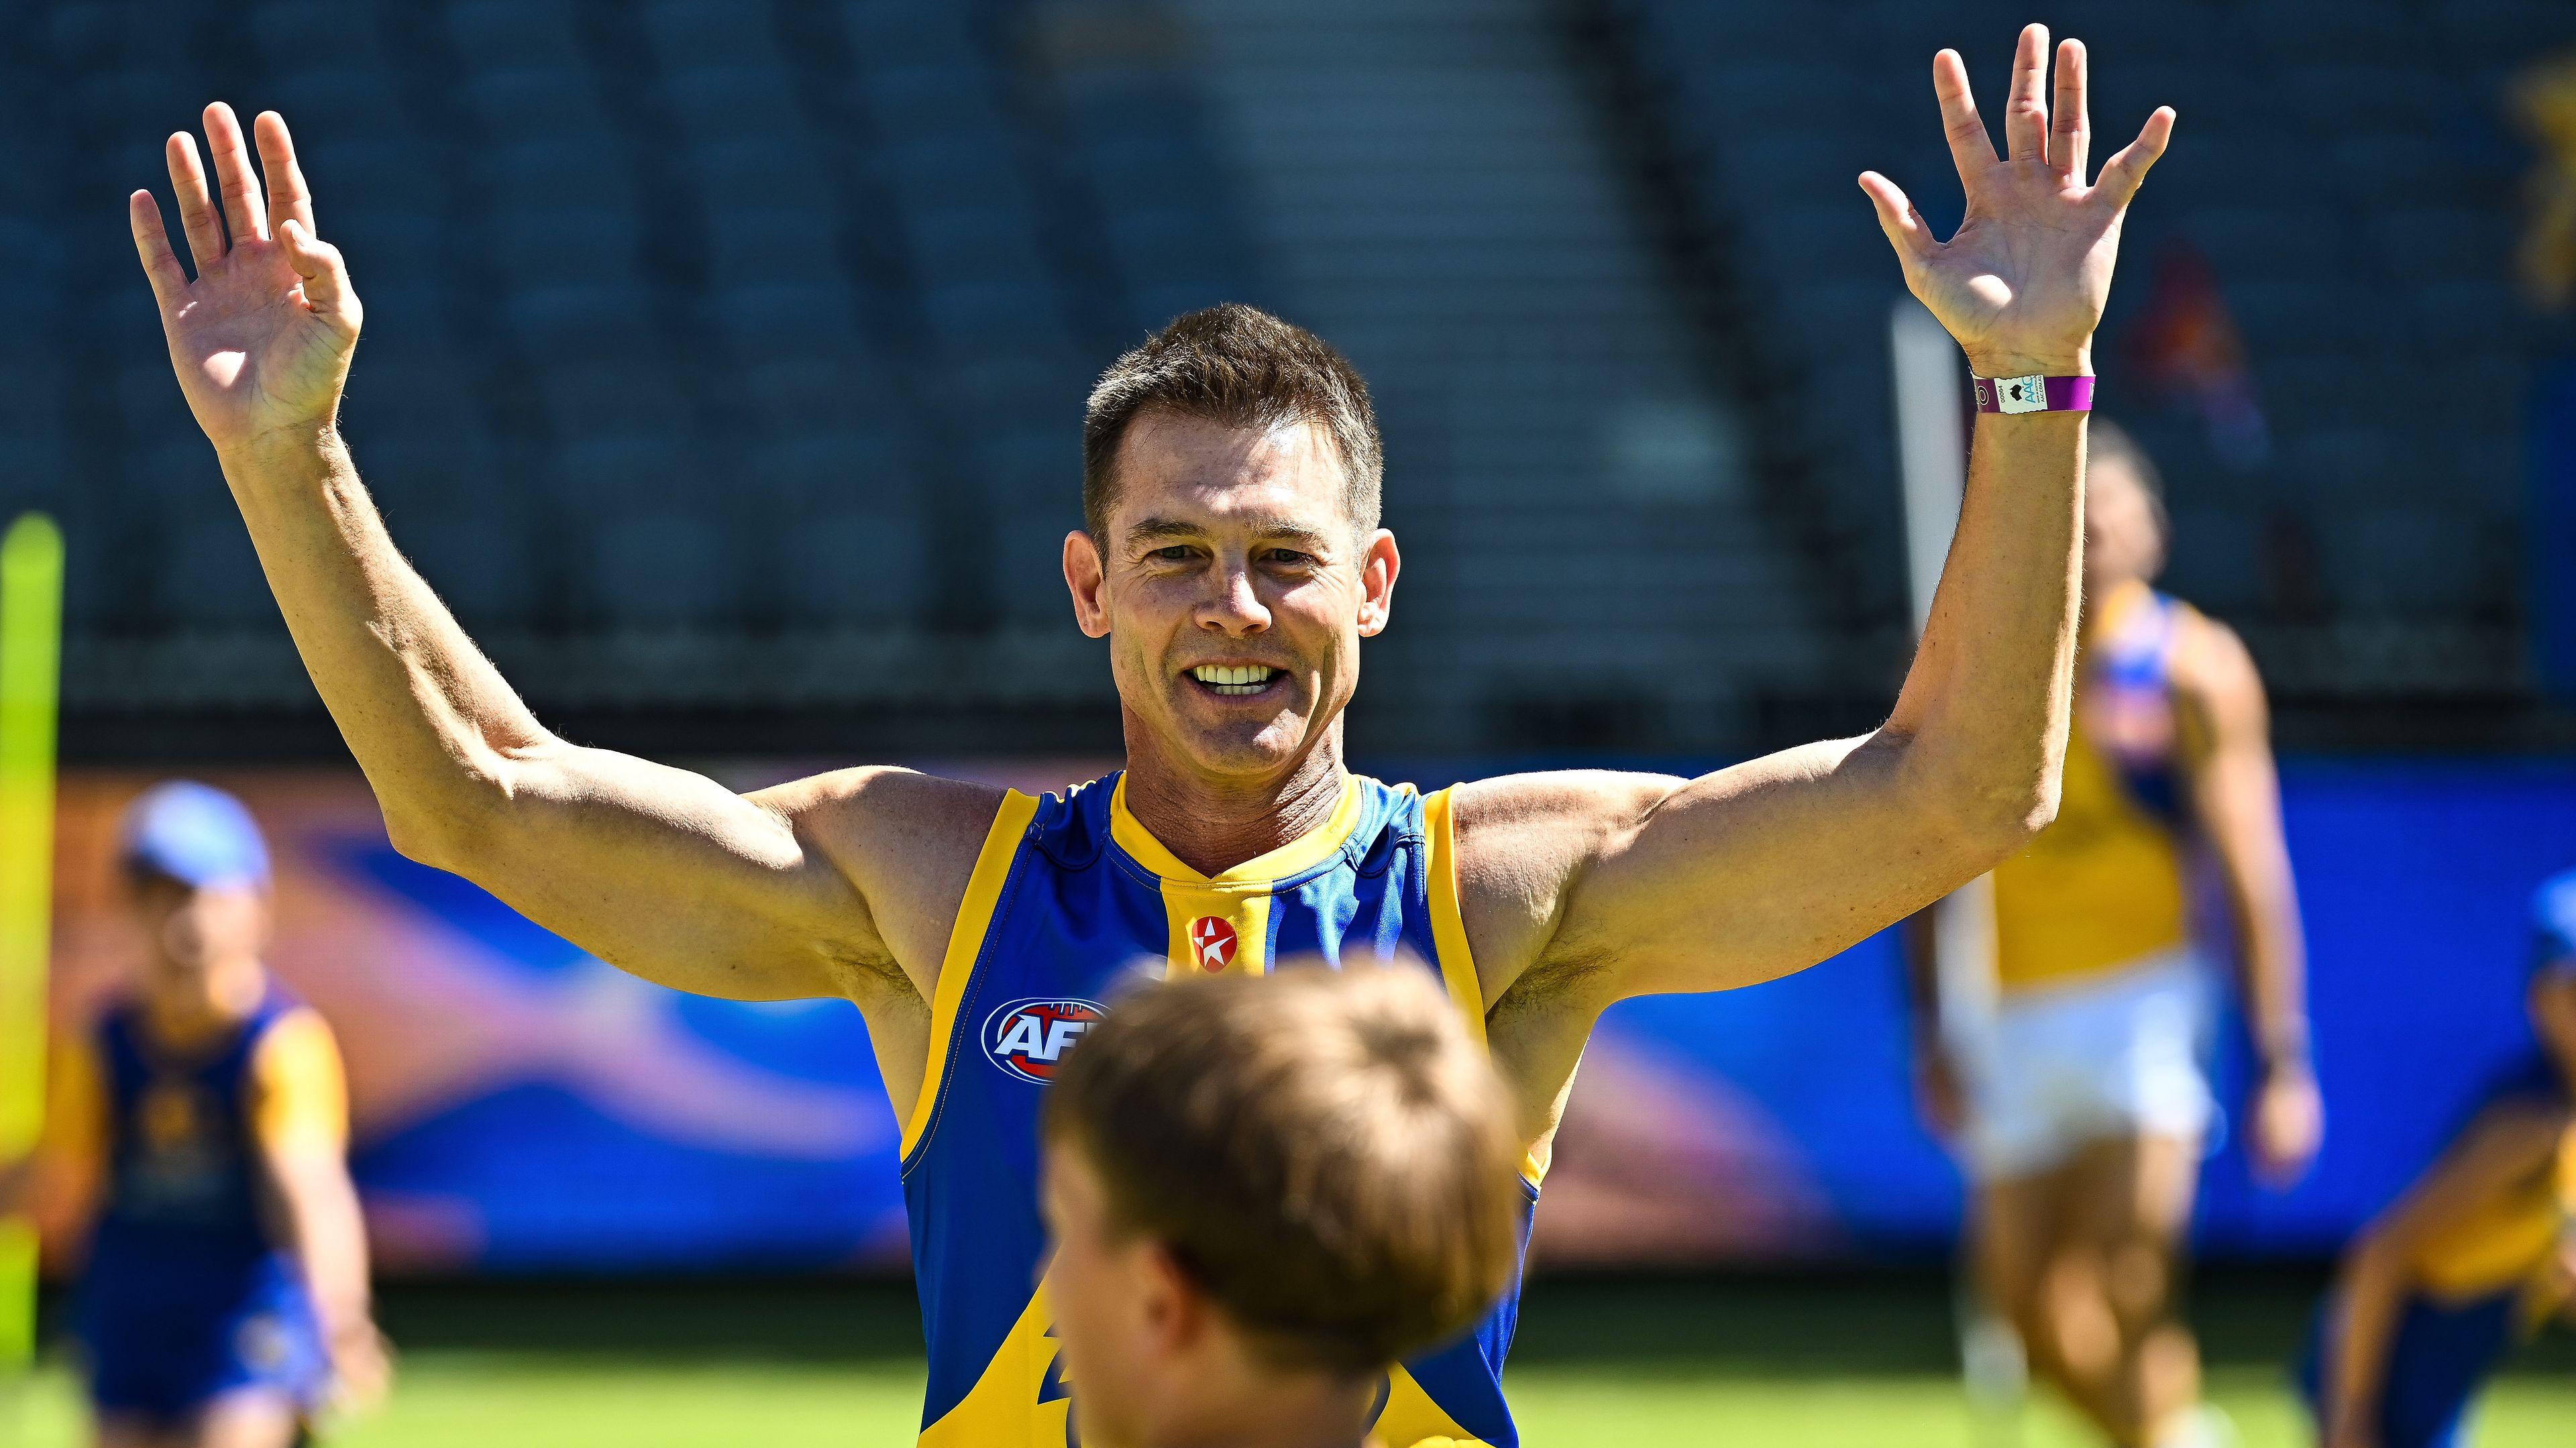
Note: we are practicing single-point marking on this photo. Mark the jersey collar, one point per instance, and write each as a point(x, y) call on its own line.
point(1293, 858)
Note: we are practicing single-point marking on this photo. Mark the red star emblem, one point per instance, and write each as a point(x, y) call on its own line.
point(1213, 942)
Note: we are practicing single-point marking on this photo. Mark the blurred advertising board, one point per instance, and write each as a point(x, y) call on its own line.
point(521, 1106)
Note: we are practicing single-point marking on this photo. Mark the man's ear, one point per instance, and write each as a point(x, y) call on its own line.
point(1177, 1311)
point(1085, 576)
point(1379, 563)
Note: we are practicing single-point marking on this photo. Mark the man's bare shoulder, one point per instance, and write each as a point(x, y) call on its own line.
point(2211, 664)
point(905, 839)
point(1523, 839)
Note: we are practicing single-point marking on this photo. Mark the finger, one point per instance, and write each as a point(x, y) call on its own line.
point(1897, 216)
point(2070, 129)
point(196, 204)
point(2123, 172)
point(326, 275)
point(289, 199)
point(1971, 150)
point(233, 175)
point(160, 266)
point(2026, 115)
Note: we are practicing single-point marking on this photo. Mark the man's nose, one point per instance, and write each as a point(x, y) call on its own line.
point(1233, 607)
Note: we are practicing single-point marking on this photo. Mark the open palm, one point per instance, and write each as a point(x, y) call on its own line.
point(261, 339)
point(2022, 282)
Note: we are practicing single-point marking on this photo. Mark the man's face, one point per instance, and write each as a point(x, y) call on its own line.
point(1100, 1288)
point(1233, 590)
point(190, 930)
point(2124, 536)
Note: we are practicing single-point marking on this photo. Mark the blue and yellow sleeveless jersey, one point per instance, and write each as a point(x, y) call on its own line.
point(2103, 885)
point(186, 1295)
point(1069, 898)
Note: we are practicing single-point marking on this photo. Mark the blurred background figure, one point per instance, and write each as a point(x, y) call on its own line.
point(1261, 1194)
point(2079, 1101)
point(2438, 1289)
point(202, 1127)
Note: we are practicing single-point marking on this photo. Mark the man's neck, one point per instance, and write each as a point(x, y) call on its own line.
point(1213, 825)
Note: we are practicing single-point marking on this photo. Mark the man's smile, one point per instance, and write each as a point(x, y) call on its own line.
point(1235, 681)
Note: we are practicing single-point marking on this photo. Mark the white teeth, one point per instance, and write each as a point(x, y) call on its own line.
point(1234, 678)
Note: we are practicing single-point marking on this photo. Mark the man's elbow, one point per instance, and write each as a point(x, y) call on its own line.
point(446, 828)
point(1993, 819)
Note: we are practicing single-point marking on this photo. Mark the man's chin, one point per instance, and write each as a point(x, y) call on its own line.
point(1247, 751)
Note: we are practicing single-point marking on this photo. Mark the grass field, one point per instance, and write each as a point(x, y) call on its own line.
point(1782, 1364)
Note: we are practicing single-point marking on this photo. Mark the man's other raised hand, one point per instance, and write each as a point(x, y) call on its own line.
point(261, 339)
point(2022, 282)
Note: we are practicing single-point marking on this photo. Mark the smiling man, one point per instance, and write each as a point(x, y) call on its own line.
point(1231, 557)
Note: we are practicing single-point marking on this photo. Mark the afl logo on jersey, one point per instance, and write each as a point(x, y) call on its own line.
point(1028, 1038)
point(1212, 940)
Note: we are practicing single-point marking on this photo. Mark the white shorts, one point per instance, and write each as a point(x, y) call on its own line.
point(2060, 1067)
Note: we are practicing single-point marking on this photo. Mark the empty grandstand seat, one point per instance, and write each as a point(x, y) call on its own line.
point(759, 175)
point(732, 103)
point(759, 314)
point(492, 35)
point(952, 101)
point(661, 567)
point(558, 175)
point(781, 245)
point(709, 32)
point(2451, 243)
point(837, 392)
point(340, 100)
point(525, 103)
point(2281, 241)
point(2411, 562)
point(900, 32)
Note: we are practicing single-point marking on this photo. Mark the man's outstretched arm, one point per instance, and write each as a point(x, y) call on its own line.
point(1607, 885)
point(660, 871)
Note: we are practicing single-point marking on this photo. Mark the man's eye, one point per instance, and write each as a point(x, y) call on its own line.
point(1177, 553)
point(1288, 556)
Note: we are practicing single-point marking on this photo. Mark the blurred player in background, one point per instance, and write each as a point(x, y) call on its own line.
point(1263, 1195)
point(2476, 1254)
point(203, 1123)
point(1231, 559)
point(2079, 1100)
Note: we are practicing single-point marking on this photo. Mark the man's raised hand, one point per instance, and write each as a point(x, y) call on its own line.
point(261, 339)
point(2022, 282)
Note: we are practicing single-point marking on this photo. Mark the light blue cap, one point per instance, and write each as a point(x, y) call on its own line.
point(196, 834)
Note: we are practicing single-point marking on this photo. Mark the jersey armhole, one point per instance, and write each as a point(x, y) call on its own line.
point(965, 943)
point(1448, 925)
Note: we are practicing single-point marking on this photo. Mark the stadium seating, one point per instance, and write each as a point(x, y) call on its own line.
point(684, 318)
point(712, 322)
point(2344, 168)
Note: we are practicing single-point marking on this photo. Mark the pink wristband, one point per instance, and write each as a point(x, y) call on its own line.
point(2034, 394)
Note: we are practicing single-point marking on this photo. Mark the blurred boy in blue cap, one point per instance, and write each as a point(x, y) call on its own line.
point(2439, 1287)
point(226, 1292)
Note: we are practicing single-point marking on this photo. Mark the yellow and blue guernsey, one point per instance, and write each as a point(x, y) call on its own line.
point(2103, 886)
point(1069, 898)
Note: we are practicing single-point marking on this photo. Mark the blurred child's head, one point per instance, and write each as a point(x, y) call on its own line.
point(2124, 512)
point(1267, 1189)
point(198, 876)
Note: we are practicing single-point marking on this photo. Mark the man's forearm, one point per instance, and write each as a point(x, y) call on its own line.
point(427, 716)
point(1986, 703)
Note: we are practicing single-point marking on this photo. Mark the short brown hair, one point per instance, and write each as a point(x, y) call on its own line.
point(1326, 1152)
point(2106, 441)
point(1242, 367)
